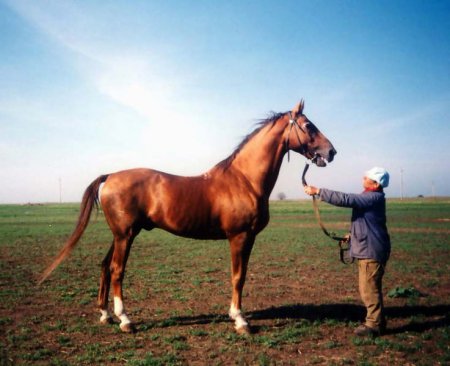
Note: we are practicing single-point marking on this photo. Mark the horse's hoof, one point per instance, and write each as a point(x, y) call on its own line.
point(243, 330)
point(106, 320)
point(128, 328)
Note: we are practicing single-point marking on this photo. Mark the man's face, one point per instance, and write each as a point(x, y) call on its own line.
point(370, 184)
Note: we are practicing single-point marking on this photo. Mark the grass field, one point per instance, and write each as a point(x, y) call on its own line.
point(301, 301)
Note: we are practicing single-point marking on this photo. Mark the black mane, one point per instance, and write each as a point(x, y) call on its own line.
point(273, 117)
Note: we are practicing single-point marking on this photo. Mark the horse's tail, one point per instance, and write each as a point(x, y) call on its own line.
point(90, 199)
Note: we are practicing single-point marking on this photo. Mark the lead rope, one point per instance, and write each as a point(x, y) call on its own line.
point(342, 241)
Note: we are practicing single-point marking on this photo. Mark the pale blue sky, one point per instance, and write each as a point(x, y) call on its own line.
point(92, 87)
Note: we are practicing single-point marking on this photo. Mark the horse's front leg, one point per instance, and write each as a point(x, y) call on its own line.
point(241, 246)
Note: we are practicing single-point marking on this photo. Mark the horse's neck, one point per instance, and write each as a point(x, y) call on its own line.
point(260, 159)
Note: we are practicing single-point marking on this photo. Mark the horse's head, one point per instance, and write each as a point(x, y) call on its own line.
point(305, 138)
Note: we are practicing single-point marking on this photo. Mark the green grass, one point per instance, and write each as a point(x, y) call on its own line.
point(302, 302)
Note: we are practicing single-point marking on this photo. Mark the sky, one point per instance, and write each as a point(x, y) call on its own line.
point(93, 87)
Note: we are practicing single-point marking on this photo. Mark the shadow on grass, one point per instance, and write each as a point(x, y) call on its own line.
point(336, 312)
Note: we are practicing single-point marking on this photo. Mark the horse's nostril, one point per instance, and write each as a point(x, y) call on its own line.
point(331, 154)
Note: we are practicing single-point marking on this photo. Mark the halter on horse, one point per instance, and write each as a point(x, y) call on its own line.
point(230, 201)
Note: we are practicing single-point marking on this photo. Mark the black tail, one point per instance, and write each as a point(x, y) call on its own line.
point(90, 199)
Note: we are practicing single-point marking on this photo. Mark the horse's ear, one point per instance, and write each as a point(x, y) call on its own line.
point(298, 110)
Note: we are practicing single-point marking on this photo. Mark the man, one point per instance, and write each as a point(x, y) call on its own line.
point(369, 244)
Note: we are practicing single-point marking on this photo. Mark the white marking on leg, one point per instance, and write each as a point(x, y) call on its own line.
point(233, 312)
point(105, 316)
point(120, 311)
point(240, 322)
point(236, 315)
point(118, 306)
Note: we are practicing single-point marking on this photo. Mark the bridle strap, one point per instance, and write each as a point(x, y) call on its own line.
point(293, 123)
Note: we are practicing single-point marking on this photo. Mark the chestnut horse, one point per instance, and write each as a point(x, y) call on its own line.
point(230, 201)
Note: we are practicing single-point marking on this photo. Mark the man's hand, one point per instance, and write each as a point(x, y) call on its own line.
point(311, 190)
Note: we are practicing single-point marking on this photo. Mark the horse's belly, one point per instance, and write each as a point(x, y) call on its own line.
point(204, 232)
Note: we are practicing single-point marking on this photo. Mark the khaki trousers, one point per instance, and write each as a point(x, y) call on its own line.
point(370, 288)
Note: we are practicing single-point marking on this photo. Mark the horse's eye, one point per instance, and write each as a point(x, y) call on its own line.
point(312, 130)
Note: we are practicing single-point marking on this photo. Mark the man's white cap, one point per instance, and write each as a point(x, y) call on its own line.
point(379, 175)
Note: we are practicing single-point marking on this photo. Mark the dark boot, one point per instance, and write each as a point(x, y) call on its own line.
point(365, 331)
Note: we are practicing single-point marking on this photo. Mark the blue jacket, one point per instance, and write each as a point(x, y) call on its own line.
point(369, 236)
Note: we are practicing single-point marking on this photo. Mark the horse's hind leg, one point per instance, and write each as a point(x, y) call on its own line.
point(241, 247)
point(122, 246)
point(105, 282)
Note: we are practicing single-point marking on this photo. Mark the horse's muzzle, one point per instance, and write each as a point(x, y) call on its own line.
point(331, 154)
point(321, 160)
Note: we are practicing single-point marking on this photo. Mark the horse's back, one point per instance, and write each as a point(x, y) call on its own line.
point(152, 198)
point(144, 189)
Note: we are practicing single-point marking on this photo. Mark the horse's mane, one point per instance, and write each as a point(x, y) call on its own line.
point(273, 117)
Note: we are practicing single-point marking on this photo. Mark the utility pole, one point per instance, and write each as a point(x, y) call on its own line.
point(60, 190)
point(433, 192)
point(401, 184)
